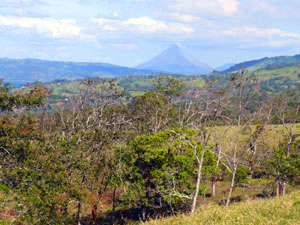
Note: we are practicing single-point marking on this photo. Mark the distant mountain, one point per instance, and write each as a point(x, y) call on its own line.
point(265, 63)
point(175, 60)
point(31, 70)
point(224, 67)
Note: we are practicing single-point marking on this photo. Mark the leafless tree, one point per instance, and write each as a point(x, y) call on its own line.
point(287, 111)
point(200, 109)
point(244, 111)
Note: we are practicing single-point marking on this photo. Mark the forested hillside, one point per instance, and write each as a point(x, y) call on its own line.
point(265, 63)
point(102, 156)
point(31, 70)
point(273, 80)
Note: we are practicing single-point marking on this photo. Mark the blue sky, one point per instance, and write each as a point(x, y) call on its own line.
point(129, 32)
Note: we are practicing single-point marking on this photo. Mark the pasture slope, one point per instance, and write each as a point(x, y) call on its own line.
point(283, 210)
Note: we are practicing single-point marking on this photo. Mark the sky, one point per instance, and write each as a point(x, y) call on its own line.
point(130, 32)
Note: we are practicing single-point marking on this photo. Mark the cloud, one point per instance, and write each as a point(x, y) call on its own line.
point(215, 7)
point(129, 46)
point(261, 6)
point(229, 6)
point(64, 28)
point(142, 25)
point(20, 3)
point(182, 17)
point(261, 32)
point(146, 25)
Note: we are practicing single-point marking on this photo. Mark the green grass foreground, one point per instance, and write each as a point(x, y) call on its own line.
point(283, 210)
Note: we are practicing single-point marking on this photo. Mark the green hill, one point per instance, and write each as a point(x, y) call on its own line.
point(265, 63)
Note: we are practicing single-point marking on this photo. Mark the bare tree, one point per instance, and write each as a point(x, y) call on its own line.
point(244, 110)
point(200, 109)
point(287, 112)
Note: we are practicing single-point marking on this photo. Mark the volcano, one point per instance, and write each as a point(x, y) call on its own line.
point(176, 61)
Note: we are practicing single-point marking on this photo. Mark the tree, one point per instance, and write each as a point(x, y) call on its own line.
point(85, 133)
point(10, 101)
point(21, 150)
point(201, 109)
point(155, 110)
point(243, 109)
point(284, 165)
point(160, 171)
point(287, 112)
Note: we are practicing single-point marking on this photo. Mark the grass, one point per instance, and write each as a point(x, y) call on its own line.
point(286, 72)
point(136, 93)
point(284, 210)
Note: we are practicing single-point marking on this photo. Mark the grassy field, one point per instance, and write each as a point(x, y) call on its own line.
point(271, 137)
point(283, 210)
point(287, 72)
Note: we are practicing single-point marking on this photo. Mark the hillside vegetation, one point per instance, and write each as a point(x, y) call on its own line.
point(254, 65)
point(274, 79)
point(283, 210)
point(104, 156)
point(272, 82)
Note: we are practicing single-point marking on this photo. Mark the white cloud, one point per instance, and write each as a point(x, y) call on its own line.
point(182, 17)
point(146, 25)
point(65, 28)
point(259, 5)
point(129, 46)
point(261, 32)
point(229, 6)
point(142, 25)
point(20, 3)
point(215, 7)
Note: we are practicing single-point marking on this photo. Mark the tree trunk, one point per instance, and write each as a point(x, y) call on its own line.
point(289, 147)
point(213, 188)
point(94, 214)
point(199, 174)
point(197, 189)
point(79, 215)
point(251, 170)
point(214, 181)
point(144, 214)
point(282, 188)
point(277, 188)
point(231, 187)
point(114, 200)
